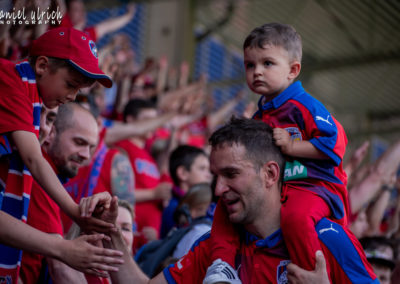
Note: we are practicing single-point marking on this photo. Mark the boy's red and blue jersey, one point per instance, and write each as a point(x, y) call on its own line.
point(20, 107)
point(266, 260)
point(305, 118)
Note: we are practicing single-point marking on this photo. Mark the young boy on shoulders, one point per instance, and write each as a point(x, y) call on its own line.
point(312, 141)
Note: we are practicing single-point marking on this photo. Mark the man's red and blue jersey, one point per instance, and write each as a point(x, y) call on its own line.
point(305, 118)
point(266, 260)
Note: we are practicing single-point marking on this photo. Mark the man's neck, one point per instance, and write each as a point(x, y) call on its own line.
point(269, 218)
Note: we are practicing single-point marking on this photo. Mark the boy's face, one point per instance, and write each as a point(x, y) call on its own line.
point(269, 70)
point(58, 87)
point(199, 171)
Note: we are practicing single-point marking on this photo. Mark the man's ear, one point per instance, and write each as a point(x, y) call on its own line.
point(41, 65)
point(182, 173)
point(295, 68)
point(50, 138)
point(271, 173)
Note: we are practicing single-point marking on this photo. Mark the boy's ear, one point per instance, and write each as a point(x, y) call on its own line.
point(41, 65)
point(181, 173)
point(295, 68)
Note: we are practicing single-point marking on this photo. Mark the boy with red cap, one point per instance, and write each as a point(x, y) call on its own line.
point(52, 76)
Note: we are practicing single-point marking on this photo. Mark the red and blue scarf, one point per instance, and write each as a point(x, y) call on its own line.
point(15, 189)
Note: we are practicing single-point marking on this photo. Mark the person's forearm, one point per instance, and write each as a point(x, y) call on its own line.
point(111, 25)
point(376, 212)
point(120, 132)
point(129, 272)
point(31, 154)
point(142, 195)
point(304, 149)
point(20, 235)
point(214, 119)
point(62, 273)
point(47, 179)
point(363, 192)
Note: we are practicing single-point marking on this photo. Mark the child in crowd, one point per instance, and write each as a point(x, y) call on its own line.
point(311, 139)
point(188, 166)
point(61, 62)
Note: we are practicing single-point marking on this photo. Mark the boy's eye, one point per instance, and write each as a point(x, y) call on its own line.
point(126, 228)
point(267, 63)
point(71, 86)
point(249, 65)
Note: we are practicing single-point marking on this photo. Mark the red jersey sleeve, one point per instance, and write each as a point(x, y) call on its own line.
point(15, 104)
point(192, 267)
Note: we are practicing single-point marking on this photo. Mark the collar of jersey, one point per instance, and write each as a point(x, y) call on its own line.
point(269, 242)
point(291, 91)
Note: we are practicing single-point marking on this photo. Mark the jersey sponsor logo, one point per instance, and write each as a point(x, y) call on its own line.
point(323, 119)
point(147, 168)
point(281, 272)
point(179, 264)
point(295, 133)
point(295, 170)
point(328, 229)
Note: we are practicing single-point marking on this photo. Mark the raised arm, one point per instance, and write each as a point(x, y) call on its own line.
point(363, 192)
point(115, 23)
point(121, 131)
point(30, 152)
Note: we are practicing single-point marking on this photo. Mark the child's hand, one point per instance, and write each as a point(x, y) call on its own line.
point(82, 255)
point(283, 140)
point(92, 210)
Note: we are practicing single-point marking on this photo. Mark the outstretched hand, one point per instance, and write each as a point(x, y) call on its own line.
point(297, 275)
point(82, 255)
point(95, 213)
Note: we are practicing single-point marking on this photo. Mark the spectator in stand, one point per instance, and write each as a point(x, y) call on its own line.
point(188, 165)
point(380, 253)
point(196, 202)
point(151, 187)
point(74, 12)
point(68, 145)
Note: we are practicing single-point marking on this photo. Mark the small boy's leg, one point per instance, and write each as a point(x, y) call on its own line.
point(224, 238)
point(299, 214)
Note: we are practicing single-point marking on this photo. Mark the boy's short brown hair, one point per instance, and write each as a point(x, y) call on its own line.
point(276, 34)
point(58, 63)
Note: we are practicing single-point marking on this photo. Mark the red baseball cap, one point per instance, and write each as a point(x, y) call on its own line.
point(74, 46)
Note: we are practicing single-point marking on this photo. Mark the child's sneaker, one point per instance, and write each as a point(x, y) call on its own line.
point(221, 272)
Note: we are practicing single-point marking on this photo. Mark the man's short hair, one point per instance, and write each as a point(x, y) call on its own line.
point(255, 136)
point(276, 34)
point(64, 118)
point(135, 106)
point(183, 155)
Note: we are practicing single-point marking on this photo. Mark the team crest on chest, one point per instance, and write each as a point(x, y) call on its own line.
point(295, 133)
point(281, 272)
